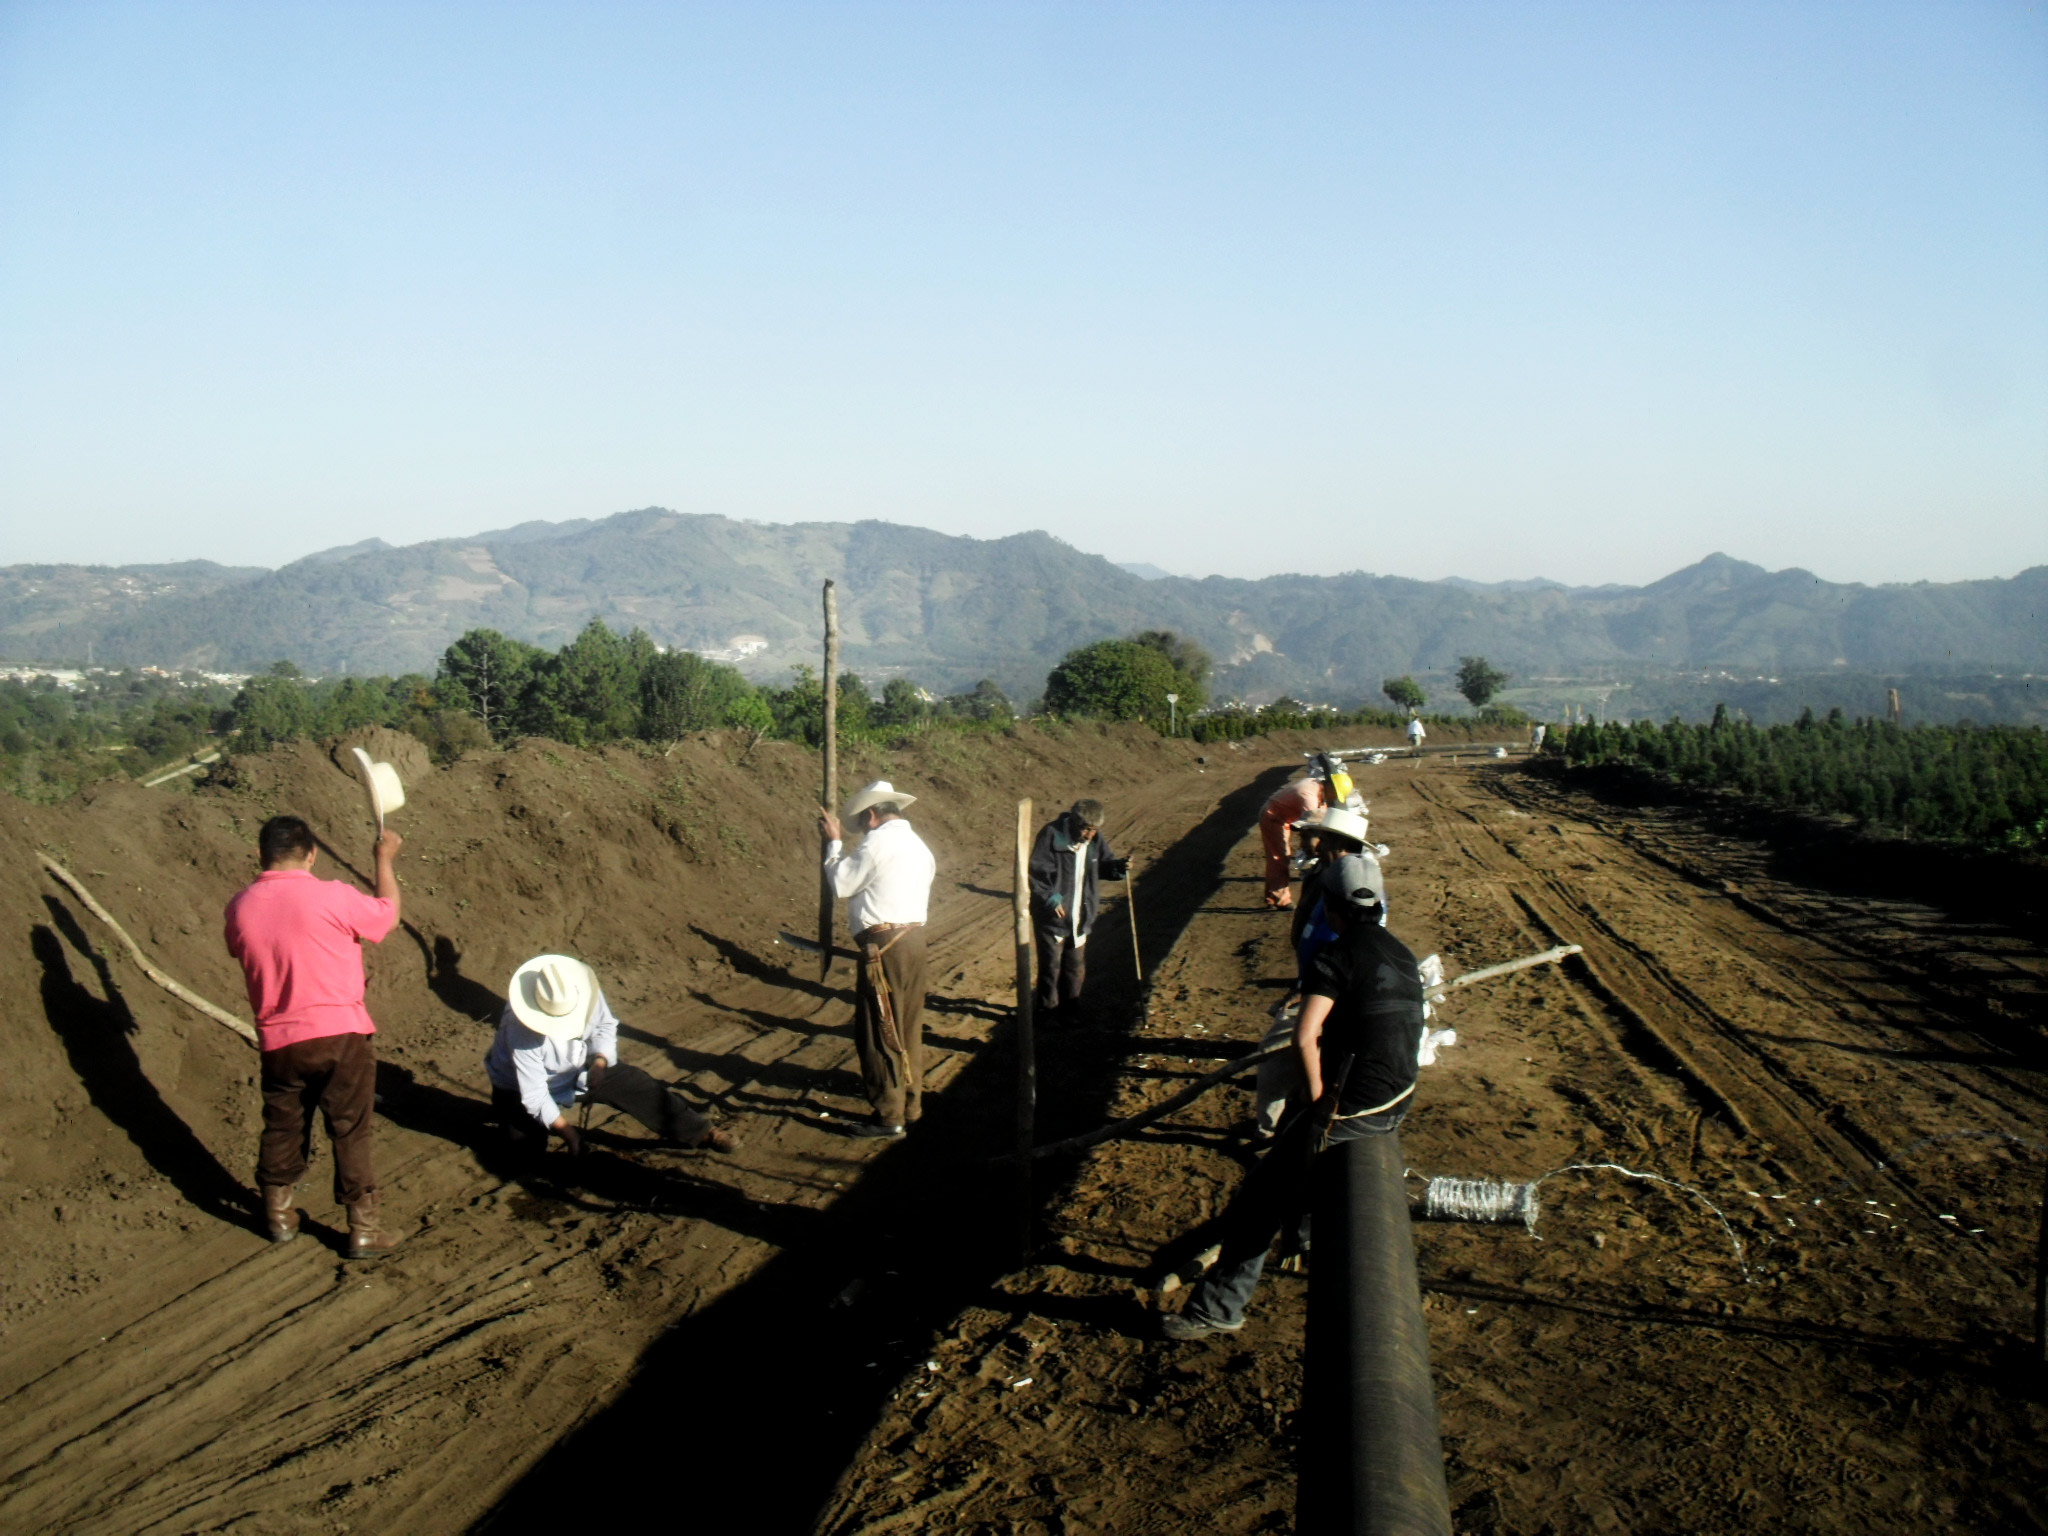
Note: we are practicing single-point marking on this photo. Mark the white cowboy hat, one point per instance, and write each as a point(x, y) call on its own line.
point(881, 792)
point(1341, 821)
point(380, 786)
point(552, 995)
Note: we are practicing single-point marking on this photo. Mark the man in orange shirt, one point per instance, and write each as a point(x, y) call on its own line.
point(297, 940)
point(1300, 801)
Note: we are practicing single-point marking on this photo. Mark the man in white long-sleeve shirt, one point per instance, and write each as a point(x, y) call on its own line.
point(558, 1043)
point(887, 884)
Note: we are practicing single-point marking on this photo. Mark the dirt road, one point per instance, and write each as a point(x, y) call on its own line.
point(1855, 1084)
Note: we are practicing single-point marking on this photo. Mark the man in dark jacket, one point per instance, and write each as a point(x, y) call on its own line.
point(1067, 861)
point(1357, 1040)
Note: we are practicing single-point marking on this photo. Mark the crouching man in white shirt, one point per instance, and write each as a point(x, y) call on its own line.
point(558, 1045)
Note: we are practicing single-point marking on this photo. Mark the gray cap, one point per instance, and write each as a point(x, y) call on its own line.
point(1355, 881)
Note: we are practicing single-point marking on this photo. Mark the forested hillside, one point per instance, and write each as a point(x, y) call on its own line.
point(954, 610)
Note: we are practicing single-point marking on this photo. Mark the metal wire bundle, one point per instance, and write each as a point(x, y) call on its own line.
point(1487, 1200)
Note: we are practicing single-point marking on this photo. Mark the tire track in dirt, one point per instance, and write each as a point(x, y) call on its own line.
point(1801, 1117)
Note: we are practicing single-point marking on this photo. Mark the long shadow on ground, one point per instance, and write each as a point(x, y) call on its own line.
point(97, 1038)
point(749, 1409)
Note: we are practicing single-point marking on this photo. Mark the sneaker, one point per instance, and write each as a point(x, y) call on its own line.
point(875, 1130)
point(1182, 1329)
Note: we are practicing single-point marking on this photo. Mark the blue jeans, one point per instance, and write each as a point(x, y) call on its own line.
point(1275, 1194)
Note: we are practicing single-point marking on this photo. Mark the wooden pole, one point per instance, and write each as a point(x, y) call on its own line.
point(1027, 1052)
point(183, 994)
point(2041, 1284)
point(831, 800)
point(1131, 906)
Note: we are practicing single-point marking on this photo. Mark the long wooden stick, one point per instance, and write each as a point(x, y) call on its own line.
point(831, 799)
point(182, 993)
point(1131, 906)
point(1027, 1051)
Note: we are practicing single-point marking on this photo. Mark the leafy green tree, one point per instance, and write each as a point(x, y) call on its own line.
point(1114, 680)
point(987, 703)
point(587, 692)
point(1479, 680)
point(799, 709)
point(681, 692)
point(271, 708)
point(1404, 692)
point(902, 704)
point(1190, 661)
point(489, 674)
point(853, 708)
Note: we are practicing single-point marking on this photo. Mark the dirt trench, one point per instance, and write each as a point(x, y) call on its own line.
point(825, 1334)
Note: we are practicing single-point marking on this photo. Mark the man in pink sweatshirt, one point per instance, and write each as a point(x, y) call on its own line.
point(297, 939)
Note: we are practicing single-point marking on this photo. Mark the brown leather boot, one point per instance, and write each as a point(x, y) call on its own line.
point(279, 1216)
point(367, 1238)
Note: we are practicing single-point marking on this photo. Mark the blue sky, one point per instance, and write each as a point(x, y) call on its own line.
point(1497, 290)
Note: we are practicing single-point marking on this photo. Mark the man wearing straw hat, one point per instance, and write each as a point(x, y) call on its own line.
point(296, 938)
point(558, 1044)
point(887, 883)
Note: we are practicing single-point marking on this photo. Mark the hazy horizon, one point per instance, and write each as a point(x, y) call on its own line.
point(1576, 293)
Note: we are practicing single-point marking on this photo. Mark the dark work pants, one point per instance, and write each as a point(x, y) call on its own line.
point(894, 1079)
point(1273, 1195)
point(1062, 969)
point(339, 1074)
point(654, 1104)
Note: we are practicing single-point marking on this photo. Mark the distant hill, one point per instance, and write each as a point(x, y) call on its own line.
point(949, 610)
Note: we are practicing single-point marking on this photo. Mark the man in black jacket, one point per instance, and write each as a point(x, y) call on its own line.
point(1357, 1039)
point(1067, 861)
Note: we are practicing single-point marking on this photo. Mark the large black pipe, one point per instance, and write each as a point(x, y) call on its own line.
point(1372, 1457)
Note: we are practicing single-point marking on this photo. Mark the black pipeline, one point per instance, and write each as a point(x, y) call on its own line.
point(1372, 1460)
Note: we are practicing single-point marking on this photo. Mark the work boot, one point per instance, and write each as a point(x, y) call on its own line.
point(367, 1238)
point(1182, 1329)
point(279, 1216)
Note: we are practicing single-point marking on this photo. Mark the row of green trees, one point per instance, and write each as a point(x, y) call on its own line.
point(603, 686)
point(1978, 784)
point(1478, 680)
point(54, 739)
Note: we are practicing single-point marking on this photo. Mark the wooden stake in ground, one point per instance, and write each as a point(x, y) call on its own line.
point(1131, 906)
point(1027, 1053)
point(831, 797)
point(183, 994)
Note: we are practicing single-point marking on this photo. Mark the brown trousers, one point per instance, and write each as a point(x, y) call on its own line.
point(894, 1076)
point(339, 1074)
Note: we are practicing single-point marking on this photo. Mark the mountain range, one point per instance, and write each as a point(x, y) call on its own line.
point(948, 610)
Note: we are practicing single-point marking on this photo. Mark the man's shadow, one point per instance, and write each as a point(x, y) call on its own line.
point(96, 1036)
